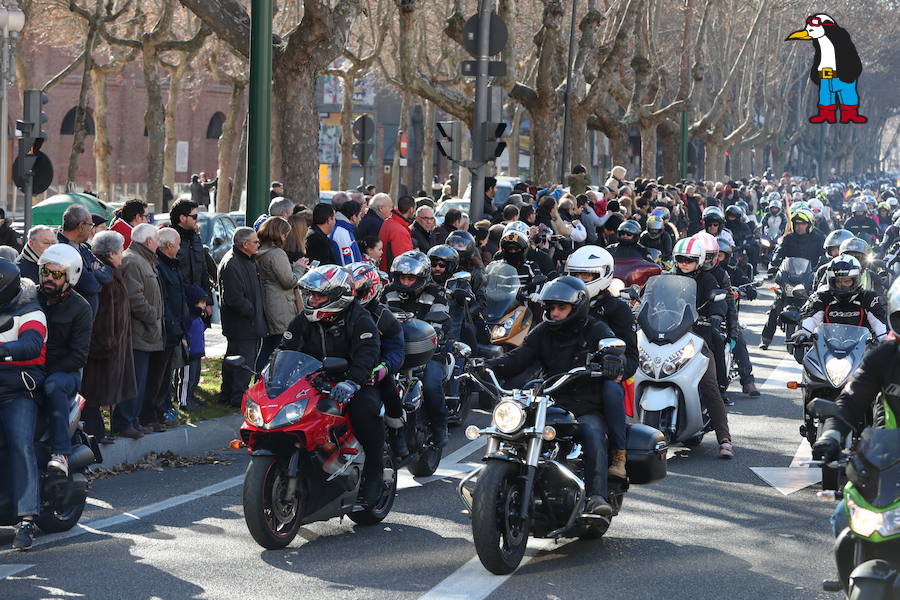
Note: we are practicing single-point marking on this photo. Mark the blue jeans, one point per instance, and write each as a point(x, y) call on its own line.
point(839, 520)
point(18, 419)
point(614, 412)
point(742, 357)
point(433, 392)
point(835, 91)
point(592, 436)
point(126, 413)
point(59, 388)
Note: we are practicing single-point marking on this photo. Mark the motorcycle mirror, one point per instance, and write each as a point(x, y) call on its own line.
point(634, 292)
point(464, 275)
point(334, 366)
point(438, 317)
point(718, 295)
point(463, 349)
point(820, 407)
point(6, 322)
point(611, 345)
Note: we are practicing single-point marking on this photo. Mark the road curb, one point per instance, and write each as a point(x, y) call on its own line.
point(186, 440)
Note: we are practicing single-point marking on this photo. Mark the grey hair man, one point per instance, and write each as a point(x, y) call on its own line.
point(76, 230)
point(380, 207)
point(40, 237)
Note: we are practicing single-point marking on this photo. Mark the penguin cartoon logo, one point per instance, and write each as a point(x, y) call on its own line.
point(835, 68)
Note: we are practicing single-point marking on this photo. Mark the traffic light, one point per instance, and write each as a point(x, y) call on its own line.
point(449, 136)
point(493, 142)
point(362, 150)
point(34, 113)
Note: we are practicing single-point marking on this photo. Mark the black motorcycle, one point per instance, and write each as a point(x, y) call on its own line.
point(532, 480)
point(793, 285)
point(62, 497)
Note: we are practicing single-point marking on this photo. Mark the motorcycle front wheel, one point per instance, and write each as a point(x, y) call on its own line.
point(499, 531)
point(272, 517)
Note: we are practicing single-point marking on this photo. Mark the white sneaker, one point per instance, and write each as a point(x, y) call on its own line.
point(726, 450)
point(60, 463)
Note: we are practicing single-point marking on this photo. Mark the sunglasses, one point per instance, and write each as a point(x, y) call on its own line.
point(817, 22)
point(439, 263)
point(685, 259)
point(194, 217)
point(55, 274)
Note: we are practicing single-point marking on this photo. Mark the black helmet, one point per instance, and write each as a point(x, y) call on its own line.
point(629, 227)
point(513, 246)
point(713, 214)
point(10, 282)
point(446, 255)
point(413, 263)
point(734, 212)
point(463, 242)
point(568, 290)
point(844, 266)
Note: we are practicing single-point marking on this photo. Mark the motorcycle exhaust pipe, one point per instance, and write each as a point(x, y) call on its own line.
point(81, 457)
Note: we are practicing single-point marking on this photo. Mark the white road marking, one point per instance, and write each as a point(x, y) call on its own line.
point(450, 466)
point(473, 582)
point(99, 503)
point(787, 370)
point(10, 570)
point(788, 480)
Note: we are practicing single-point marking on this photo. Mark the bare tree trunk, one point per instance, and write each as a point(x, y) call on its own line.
point(154, 120)
point(515, 142)
point(80, 132)
point(648, 151)
point(578, 137)
point(240, 172)
point(102, 147)
point(226, 158)
point(618, 148)
point(543, 144)
point(171, 112)
point(428, 146)
point(347, 84)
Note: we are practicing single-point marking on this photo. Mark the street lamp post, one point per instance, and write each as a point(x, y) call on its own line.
point(259, 145)
point(570, 67)
point(12, 19)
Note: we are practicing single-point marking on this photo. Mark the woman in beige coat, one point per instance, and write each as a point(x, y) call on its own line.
point(278, 277)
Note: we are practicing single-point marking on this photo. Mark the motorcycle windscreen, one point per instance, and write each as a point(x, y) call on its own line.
point(875, 470)
point(795, 271)
point(669, 308)
point(286, 368)
point(501, 287)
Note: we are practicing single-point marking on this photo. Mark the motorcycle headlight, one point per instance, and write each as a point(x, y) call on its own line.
point(865, 522)
point(838, 369)
point(646, 364)
point(508, 323)
point(288, 415)
point(678, 359)
point(499, 332)
point(252, 414)
point(508, 416)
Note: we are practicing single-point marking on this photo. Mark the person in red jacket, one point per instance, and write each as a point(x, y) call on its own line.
point(133, 213)
point(395, 235)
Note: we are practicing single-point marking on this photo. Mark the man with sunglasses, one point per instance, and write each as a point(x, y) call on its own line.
point(69, 324)
point(76, 230)
point(192, 257)
point(628, 245)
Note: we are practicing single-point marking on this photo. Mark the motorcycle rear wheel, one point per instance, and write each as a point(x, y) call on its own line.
point(499, 532)
point(426, 460)
point(272, 519)
point(56, 521)
point(376, 514)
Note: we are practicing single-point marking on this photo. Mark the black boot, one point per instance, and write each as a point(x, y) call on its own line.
point(439, 435)
point(597, 505)
point(397, 441)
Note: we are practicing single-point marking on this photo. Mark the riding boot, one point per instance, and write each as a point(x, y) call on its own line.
point(396, 439)
point(617, 467)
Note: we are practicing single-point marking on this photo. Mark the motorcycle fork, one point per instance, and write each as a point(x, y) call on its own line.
point(293, 471)
point(534, 454)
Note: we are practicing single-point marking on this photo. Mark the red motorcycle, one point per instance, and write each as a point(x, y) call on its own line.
point(306, 464)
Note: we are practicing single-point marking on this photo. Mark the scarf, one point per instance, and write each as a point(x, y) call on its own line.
point(29, 254)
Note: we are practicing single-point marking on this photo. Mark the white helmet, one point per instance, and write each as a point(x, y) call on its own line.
point(66, 257)
point(816, 206)
point(519, 226)
point(592, 259)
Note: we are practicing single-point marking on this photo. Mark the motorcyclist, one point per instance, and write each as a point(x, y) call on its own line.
point(69, 322)
point(873, 389)
point(654, 237)
point(774, 222)
point(464, 244)
point(689, 254)
point(566, 338)
point(861, 224)
point(368, 287)
point(513, 249)
point(627, 245)
point(334, 324)
point(736, 277)
point(832, 246)
point(803, 242)
point(665, 214)
point(22, 351)
point(891, 235)
point(860, 250)
point(713, 220)
point(412, 290)
point(717, 339)
point(742, 233)
point(817, 206)
point(593, 265)
point(844, 300)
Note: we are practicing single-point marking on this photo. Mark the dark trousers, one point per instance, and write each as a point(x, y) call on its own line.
point(236, 380)
point(745, 368)
point(591, 434)
point(187, 379)
point(59, 388)
point(433, 392)
point(268, 345)
point(18, 419)
point(717, 344)
point(768, 331)
point(387, 390)
point(365, 410)
point(711, 399)
point(614, 413)
point(93, 421)
point(125, 414)
point(158, 391)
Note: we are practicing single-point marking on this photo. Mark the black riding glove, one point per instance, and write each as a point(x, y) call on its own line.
point(827, 448)
point(613, 366)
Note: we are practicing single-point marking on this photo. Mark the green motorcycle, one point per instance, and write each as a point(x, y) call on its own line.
point(867, 551)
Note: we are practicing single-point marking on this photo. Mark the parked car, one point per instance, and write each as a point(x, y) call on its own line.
point(504, 189)
point(216, 231)
point(446, 205)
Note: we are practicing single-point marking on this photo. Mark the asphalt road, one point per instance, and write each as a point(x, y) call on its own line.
point(711, 529)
